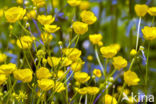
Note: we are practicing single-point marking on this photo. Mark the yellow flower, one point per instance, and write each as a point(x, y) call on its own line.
point(97, 72)
point(100, 43)
point(55, 3)
point(19, 1)
point(7, 68)
point(126, 91)
point(74, 2)
point(14, 14)
point(32, 14)
point(131, 78)
point(1, 12)
point(65, 61)
point(39, 3)
point(116, 46)
point(40, 53)
point(108, 51)
point(53, 61)
point(88, 17)
point(95, 38)
point(92, 90)
point(141, 10)
point(60, 74)
point(59, 87)
point(46, 37)
point(43, 73)
point(82, 91)
point(3, 78)
point(45, 84)
point(108, 99)
point(81, 77)
point(84, 5)
point(77, 66)
point(46, 20)
point(3, 57)
point(149, 35)
point(25, 75)
point(133, 52)
point(25, 42)
point(89, 58)
point(119, 62)
point(51, 28)
point(152, 11)
point(72, 53)
point(80, 28)
point(21, 96)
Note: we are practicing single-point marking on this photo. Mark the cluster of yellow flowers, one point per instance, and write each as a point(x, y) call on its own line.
point(141, 10)
point(51, 72)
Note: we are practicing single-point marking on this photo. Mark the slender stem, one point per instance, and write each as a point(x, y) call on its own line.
point(123, 87)
point(86, 99)
point(137, 41)
point(146, 78)
point(73, 98)
point(98, 59)
point(80, 99)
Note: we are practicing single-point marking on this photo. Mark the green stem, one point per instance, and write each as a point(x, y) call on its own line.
point(137, 41)
point(98, 59)
point(146, 78)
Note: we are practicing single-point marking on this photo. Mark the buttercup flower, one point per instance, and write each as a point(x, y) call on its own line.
point(97, 72)
point(84, 5)
point(116, 46)
point(74, 2)
point(39, 3)
point(133, 52)
point(60, 74)
point(7, 68)
point(72, 53)
point(1, 12)
point(53, 61)
point(95, 38)
point(14, 14)
point(141, 10)
point(90, 58)
point(19, 1)
point(152, 11)
point(108, 99)
point(66, 61)
point(25, 75)
point(131, 78)
point(25, 42)
point(40, 53)
point(77, 66)
point(43, 73)
point(46, 20)
point(149, 33)
point(80, 28)
point(3, 78)
point(92, 90)
point(45, 84)
point(59, 87)
point(119, 62)
point(46, 37)
point(108, 51)
point(51, 28)
point(3, 57)
point(81, 77)
point(88, 17)
point(82, 91)
point(100, 43)
point(32, 14)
